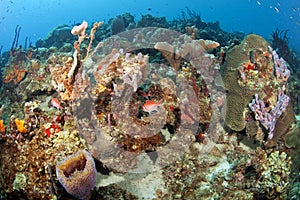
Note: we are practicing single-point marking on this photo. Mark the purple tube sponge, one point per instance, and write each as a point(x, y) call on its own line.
point(281, 70)
point(268, 119)
point(77, 174)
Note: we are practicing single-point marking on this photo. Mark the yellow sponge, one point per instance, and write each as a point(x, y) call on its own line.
point(77, 174)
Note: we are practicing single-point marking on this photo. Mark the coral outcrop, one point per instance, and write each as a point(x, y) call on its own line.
point(249, 70)
point(58, 37)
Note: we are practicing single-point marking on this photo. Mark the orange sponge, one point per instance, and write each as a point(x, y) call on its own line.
point(77, 174)
point(20, 125)
point(2, 127)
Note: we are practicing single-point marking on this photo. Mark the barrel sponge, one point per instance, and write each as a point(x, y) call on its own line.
point(77, 174)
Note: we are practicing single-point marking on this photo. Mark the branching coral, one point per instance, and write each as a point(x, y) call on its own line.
point(80, 31)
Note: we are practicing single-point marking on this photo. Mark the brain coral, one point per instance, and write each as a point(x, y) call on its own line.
point(252, 58)
point(77, 174)
point(239, 97)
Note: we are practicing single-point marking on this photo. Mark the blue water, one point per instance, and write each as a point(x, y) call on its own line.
point(38, 18)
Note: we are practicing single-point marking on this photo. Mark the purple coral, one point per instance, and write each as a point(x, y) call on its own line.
point(77, 174)
point(281, 70)
point(268, 119)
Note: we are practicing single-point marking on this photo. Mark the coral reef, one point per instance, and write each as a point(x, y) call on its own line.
point(144, 110)
point(34, 160)
point(123, 85)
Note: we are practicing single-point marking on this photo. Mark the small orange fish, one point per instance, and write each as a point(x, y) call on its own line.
point(55, 103)
point(151, 106)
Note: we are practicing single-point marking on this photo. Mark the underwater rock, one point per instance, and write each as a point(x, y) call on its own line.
point(77, 173)
point(121, 23)
point(117, 25)
point(150, 21)
point(57, 37)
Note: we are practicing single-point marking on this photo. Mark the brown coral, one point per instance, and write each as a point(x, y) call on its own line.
point(17, 75)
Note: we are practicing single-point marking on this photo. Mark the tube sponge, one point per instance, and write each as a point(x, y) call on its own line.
point(77, 174)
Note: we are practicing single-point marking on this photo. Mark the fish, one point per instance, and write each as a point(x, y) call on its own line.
point(276, 9)
point(151, 106)
point(258, 2)
point(296, 9)
point(55, 103)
